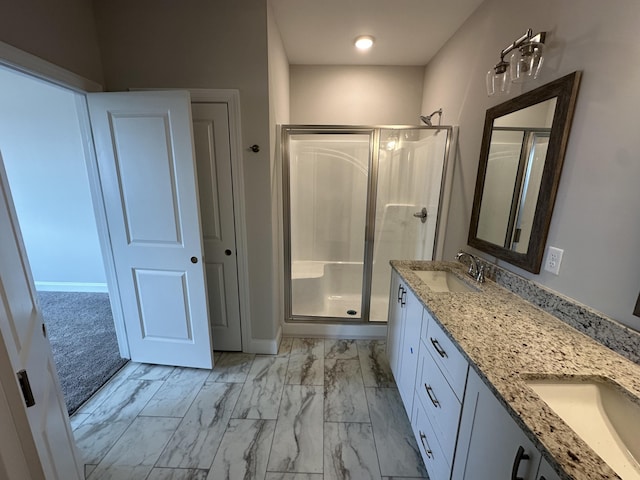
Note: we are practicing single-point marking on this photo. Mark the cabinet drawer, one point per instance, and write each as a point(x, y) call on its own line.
point(451, 362)
point(440, 403)
point(434, 460)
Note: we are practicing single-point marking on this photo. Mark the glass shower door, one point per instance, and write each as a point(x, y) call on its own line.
point(327, 182)
point(410, 172)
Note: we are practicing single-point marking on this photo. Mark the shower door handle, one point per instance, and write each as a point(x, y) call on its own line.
point(422, 215)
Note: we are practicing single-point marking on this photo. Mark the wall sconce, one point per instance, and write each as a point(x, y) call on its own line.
point(524, 64)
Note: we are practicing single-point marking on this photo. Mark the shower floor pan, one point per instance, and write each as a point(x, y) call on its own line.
point(337, 306)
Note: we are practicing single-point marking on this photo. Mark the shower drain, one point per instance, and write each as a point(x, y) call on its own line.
point(351, 312)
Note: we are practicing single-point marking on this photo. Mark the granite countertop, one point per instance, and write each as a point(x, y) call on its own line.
point(507, 340)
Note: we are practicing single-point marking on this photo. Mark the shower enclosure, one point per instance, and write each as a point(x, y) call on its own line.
point(355, 198)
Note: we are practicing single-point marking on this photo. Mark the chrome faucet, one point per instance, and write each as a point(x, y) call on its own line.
point(475, 271)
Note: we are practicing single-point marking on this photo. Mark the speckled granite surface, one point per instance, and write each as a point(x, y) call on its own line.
point(508, 340)
point(605, 330)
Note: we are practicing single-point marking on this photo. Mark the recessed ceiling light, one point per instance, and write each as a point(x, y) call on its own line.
point(364, 42)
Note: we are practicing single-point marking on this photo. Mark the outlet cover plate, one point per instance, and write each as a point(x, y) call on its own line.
point(553, 261)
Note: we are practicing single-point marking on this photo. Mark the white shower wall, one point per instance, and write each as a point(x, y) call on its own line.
point(409, 178)
point(327, 225)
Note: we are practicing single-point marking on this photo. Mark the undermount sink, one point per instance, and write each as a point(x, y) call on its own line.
point(606, 418)
point(443, 281)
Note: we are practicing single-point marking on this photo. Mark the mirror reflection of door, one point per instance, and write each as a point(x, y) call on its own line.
point(537, 145)
point(517, 154)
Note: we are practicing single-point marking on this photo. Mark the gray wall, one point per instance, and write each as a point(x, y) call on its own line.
point(278, 115)
point(356, 95)
point(596, 218)
point(206, 44)
point(42, 151)
point(61, 32)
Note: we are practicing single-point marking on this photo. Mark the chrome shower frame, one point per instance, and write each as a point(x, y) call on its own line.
point(372, 182)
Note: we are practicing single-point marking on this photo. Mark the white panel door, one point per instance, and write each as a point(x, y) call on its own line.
point(147, 170)
point(25, 347)
point(213, 159)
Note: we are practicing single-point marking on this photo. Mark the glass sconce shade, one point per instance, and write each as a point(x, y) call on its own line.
point(525, 62)
point(498, 80)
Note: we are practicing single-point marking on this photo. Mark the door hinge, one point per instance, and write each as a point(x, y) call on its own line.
point(44, 330)
point(25, 386)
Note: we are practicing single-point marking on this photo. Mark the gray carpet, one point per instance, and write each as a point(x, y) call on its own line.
point(83, 339)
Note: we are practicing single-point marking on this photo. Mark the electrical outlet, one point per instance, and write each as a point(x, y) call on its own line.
point(553, 261)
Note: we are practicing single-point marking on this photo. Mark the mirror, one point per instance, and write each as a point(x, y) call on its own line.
point(521, 158)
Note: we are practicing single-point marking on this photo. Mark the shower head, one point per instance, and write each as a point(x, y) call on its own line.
point(427, 118)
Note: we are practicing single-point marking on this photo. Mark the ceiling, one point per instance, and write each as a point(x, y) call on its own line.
point(407, 32)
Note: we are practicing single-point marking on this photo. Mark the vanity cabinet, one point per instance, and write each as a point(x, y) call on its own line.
point(462, 430)
point(412, 317)
point(491, 445)
point(403, 339)
point(440, 403)
point(394, 322)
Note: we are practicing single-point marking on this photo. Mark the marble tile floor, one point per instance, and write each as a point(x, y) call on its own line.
point(319, 409)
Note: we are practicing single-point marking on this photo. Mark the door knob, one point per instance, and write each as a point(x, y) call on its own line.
point(227, 252)
point(194, 259)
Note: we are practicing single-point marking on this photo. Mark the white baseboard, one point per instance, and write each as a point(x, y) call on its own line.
point(265, 347)
point(71, 287)
point(335, 330)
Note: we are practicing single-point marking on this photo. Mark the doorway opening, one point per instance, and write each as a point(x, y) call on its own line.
point(355, 198)
point(41, 145)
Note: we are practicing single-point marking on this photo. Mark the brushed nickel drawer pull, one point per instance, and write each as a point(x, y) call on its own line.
point(432, 397)
point(438, 348)
point(423, 439)
point(520, 455)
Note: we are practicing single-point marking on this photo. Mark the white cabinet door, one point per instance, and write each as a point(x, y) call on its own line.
point(491, 445)
point(213, 159)
point(436, 463)
point(394, 325)
point(46, 433)
point(147, 168)
point(410, 348)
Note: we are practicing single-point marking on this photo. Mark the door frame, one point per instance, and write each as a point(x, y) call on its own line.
point(232, 98)
point(34, 67)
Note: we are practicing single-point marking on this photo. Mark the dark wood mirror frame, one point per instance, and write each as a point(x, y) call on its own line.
point(565, 89)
